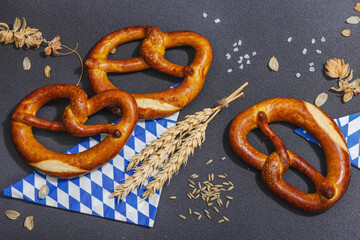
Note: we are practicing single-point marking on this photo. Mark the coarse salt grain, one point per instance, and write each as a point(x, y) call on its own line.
point(322, 39)
point(240, 42)
point(229, 70)
point(240, 61)
point(228, 56)
point(297, 75)
point(241, 66)
point(313, 40)
point(204, 15)
point(318, 51)
point(235, 44)
point(304, 51)
point(246, 56)
point(289, 39)
point(254, 53)
point(241, 57)
point(217, 20)
point(312, 69)
point(248, 62)
point(311, 64)
point(236, 49)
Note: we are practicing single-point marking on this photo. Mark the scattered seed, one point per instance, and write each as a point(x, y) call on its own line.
point(289, 39)
point(199, 217)
point(217, 20)
point(229, 197)
point(208, 162)
point(11, 214)
point(29, 223)
point(321, 99)
point(273, 64)
point(304, 51)
point(223, 158)
point(236, 49)
point(226, 183)
point(297, 75)
point(203, 198)
point(230, 188)
point(43, 192)
point(172, 197)
point(216, 210)
point(313, 41)
point(229, 70)
point(353, 20)
point(312, 69)
point(227, 204)
point(190, 211)
point(231, 183)
point(196, 196)
point(47, 70)
point(318, 51)
point(212, 177)
point(26, 64)
point(206, 211)
point(221, 221)
point(191, 182)
point(112, 51)
point(226, 219)
point(210, 204)
point(322, 39)
point(204, 15)
point(189, 196)
point(346, 32)
point(192, 186)
point(194, 176)
point(221, 176)
point(208, 216)
point(196, 213)
point(182, 217)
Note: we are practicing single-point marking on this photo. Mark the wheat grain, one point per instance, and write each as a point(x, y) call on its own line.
point(182, 217)
point(172, 197)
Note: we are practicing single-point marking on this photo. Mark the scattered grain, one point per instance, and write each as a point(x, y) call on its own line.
point(199, 217)
point(182, 217)
point(208, 162)
point(190, 211)
point(216, 209)
point(172, 197)
point(221, 221)
point(11, 214)
point(226, 219)
point(223, 158)
point(29, 223)
point(217, 20)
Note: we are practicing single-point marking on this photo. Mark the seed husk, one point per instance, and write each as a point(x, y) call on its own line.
point(47, 70)
point(321, 99)
point(43, 192)
point(26, 64)
point(11, 214)
point(346, 32)
point(182, 216)
point(353, 20)
point(172, 197)
point(29, 223)
point(273, 64)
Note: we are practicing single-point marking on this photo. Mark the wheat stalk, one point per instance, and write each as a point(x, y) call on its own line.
point(171, 150)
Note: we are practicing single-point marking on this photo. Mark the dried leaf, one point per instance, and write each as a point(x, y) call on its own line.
point(17, 24)
point(357, 7)
point(47, 70)
point(346, 32)
point(26, 64)
point(11, 214)
point(348, 96)
point(29, 223)
point(321, 99)
point(274, 64)
point(353, 20)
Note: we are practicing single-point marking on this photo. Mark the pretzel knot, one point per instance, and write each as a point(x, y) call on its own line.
point(152, 50)
point(73, 119)
point(329, 189)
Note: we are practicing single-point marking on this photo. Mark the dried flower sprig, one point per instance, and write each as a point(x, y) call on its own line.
point(22, 35)
point(336, 68)
point(171, 150)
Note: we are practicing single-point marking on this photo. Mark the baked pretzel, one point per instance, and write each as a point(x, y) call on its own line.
point(330, 188)
point(73, 119)
point(152, 50)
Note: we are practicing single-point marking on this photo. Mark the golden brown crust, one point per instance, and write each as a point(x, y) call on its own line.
point(330, 188)
point(152, 50)
point(73, 119)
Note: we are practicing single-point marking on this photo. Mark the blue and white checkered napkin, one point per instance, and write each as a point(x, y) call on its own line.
point(90, 193)
point(350, 127)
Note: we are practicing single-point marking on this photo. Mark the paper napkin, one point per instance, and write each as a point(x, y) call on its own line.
point(90, 194)
point(350, 127)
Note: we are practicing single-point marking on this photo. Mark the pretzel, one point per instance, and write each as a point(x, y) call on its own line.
point(73, 119)
point(329, 189)
point(152, 50)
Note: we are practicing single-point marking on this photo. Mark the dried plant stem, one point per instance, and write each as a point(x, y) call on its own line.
point(171, 150)
point(81, 61)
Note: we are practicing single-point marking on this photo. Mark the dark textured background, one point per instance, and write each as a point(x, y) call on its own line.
point(264, 27)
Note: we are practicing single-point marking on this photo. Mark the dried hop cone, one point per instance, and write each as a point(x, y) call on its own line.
point(336, 68)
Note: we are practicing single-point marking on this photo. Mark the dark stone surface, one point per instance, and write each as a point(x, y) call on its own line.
point(264, 27)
